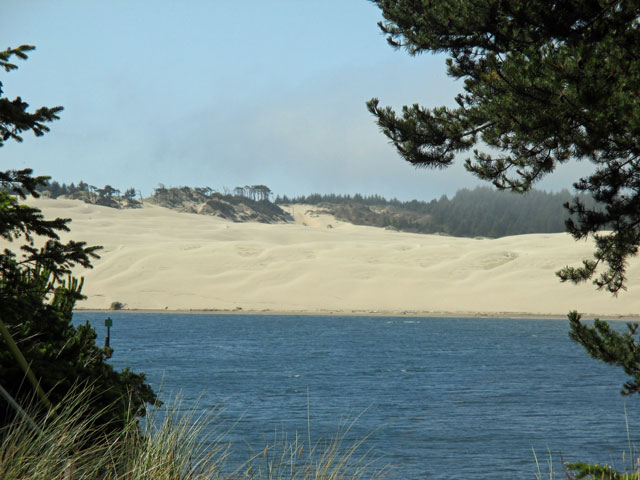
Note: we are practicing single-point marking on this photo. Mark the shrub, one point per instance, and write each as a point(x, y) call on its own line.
point(116, 306)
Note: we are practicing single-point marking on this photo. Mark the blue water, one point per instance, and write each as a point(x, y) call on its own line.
point(442, 398)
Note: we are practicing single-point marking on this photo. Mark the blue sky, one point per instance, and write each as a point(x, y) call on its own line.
point(222, 93)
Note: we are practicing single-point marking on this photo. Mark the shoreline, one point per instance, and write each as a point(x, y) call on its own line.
point(363, 313)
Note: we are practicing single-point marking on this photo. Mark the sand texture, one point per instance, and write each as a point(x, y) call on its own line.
point(156, 258)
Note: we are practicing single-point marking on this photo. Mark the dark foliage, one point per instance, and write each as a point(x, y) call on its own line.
point(38, 293)
point(14, 117)
point(581, 470)
point(620, 349)
point(106, 196)
point(544, 83)
point(246, 204)
point(37, 311)
point(605, 344)
point(470, 213)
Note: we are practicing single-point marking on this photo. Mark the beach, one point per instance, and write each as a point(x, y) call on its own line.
point(158, 259)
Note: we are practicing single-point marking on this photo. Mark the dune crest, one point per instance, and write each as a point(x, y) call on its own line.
point(157, 258)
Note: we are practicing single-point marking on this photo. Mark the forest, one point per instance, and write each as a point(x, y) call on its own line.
point(482, 211)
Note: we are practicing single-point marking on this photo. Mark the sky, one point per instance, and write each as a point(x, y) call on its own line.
point(223, 93)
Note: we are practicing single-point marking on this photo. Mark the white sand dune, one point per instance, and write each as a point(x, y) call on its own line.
point(156, 258)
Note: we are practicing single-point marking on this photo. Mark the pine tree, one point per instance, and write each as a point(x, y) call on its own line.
point(38, 293)
point(604, 343)
point(544, 83)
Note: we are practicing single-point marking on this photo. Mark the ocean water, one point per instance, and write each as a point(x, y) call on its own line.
point(437, 397)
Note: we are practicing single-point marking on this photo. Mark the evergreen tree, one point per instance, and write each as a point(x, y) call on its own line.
point(604, 343)
point(544, 83)
point(129, 194)
point(38, 293)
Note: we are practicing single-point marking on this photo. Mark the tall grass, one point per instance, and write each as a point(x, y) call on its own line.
point(593, 471)
point(328, 460)
point(170, 444)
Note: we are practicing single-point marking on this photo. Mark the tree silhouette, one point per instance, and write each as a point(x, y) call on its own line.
point(543, 83)
point(38, 293)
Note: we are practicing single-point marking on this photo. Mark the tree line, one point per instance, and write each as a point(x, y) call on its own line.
point(482, 211)
point(101, 195)
point(257, 193)
point(107, 196)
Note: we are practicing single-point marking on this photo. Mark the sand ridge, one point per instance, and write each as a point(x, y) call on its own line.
point(155, 258)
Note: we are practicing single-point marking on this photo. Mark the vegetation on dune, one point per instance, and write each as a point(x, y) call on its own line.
point(106, 196)
point(249, 203)
point(481, 212)
point(246, 204)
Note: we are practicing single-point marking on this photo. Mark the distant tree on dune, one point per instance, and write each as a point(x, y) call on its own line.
point(263, 193)
point(129, 193)
point(107, 192)
point(201, 191)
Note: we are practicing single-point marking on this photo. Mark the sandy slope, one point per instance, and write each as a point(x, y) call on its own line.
point(155, 258)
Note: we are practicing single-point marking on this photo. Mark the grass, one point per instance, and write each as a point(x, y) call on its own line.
point(177, 443)
point(170, 444)
point(587, 471)
point(590, 471)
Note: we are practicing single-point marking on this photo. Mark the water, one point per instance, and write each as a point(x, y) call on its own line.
point(441, 398)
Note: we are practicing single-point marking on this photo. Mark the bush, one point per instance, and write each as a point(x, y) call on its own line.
point(116, 306)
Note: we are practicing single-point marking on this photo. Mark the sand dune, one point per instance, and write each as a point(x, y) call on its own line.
point(155, 258)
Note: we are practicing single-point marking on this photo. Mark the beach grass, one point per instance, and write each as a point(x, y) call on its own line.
point(171, 443)
point(178, 442)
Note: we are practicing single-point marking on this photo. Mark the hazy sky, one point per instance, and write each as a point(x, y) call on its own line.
point(222, 93)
